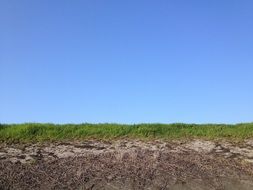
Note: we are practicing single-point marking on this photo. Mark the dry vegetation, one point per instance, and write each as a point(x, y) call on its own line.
point(127, 164)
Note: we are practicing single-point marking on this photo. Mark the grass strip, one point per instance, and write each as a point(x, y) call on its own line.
point(40, 132)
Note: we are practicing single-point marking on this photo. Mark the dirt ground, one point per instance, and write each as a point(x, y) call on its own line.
point(128, 164)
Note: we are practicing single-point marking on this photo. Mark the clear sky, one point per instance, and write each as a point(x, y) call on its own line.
point(129, 61)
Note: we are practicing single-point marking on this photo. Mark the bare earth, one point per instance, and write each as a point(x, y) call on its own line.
point(128, 164)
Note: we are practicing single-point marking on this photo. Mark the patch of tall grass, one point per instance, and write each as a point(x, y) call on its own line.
point(37, 132)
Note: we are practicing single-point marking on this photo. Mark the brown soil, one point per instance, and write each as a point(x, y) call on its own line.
point(128, 164)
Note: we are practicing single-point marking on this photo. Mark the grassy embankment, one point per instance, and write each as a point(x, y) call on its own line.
point(35, 132)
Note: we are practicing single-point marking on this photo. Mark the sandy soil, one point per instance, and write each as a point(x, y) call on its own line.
point(128, 164)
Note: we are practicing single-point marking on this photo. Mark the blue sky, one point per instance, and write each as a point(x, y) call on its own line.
point(128, 61)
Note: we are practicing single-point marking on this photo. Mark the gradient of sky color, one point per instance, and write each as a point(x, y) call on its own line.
point(126, 61)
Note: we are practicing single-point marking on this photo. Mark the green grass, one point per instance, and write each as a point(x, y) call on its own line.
point(36, 132)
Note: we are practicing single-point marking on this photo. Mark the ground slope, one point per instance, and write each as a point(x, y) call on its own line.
point(128, 164)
